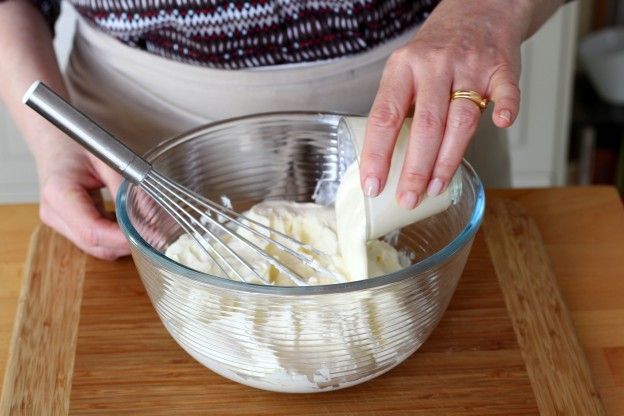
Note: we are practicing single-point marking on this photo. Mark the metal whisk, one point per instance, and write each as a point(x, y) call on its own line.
point(189, 209)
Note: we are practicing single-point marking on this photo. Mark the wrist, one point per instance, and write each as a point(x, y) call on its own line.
point(514, 20)
point(53, 149)
point(507, 21)
point(534, 13)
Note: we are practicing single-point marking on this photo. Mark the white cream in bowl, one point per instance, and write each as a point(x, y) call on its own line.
point(308, 223)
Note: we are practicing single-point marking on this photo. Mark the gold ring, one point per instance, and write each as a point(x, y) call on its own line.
point(473, 96)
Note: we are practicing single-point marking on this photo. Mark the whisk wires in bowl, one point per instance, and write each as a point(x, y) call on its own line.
point(206, 221)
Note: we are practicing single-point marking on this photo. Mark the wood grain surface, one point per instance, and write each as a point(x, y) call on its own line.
point(41, 358)
point(127, 364)
point(583, 232)
point(555, 361)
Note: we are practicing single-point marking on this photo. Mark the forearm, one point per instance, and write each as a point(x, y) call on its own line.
point(26, 55)
point(539, 11)
point(513, 19)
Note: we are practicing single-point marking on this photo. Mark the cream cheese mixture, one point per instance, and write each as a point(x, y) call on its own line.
point(309, 223)
point(346, 233)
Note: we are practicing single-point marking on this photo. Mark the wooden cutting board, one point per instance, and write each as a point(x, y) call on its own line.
point(87, 341)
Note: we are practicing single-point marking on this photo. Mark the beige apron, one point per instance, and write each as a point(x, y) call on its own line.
point(144, 98)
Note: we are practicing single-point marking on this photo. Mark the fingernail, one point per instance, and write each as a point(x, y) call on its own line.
point(435, 187)
point(408, 200)
point(371, 186)
point(505, 115)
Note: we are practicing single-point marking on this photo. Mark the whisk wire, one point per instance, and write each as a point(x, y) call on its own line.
point(164, 186)
point(181, 203)
point(186, 221)
point(239, 220)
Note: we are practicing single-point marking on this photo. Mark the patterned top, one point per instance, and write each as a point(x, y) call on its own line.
point(239, 34)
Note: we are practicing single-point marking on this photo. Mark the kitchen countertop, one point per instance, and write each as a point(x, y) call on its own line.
point(592, 284)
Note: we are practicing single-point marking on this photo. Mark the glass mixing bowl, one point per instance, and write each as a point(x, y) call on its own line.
point(291, 339)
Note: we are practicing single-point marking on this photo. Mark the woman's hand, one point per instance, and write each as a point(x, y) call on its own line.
point(463, 45)
point(69, 178)
point(70, 201)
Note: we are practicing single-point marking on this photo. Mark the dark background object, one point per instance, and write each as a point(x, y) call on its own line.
point(596, 151)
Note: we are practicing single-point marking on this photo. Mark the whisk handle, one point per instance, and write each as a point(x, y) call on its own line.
point(86, 132)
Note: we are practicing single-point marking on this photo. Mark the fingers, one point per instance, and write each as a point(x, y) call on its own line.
point(481, 57)
point(461, 124)
point(51, 219)
point(109, 177)
point(441, 129)
point(70, 209)
point(463, 119)
point(386, 117)
point(505, 93)
point(426, 134)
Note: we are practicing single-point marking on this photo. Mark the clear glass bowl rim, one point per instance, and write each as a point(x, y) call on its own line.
point(463, 238)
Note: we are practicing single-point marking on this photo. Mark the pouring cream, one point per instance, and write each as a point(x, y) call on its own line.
point(345, 234)
point(360, 219)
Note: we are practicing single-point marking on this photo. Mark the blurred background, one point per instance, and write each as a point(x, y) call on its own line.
point(570, 130)
point(596, 140)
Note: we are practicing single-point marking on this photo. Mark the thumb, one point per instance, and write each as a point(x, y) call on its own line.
point(505, 93)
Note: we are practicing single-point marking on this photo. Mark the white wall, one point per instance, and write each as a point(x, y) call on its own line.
point(18, 178)
point(539, 137)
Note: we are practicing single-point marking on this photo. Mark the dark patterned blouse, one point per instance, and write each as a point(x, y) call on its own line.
point(248, 33)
